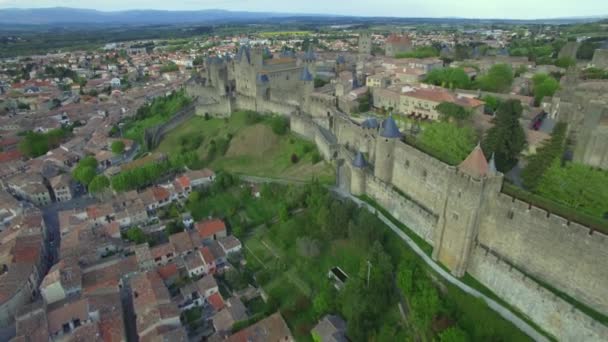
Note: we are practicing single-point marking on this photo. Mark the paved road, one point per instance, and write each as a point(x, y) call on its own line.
point(501, 310)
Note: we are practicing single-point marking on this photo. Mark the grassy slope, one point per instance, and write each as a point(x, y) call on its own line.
point(275, 162)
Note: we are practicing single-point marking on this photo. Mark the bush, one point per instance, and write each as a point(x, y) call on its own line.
point(118, 147)
point(279, 125)
point(565, 62)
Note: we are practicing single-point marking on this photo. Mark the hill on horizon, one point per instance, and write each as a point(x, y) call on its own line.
point(74, 16)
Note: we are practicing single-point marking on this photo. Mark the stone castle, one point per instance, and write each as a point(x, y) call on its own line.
point(508, 245)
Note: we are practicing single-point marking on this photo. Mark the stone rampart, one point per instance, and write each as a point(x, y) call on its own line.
point(552, 313)
point(410, 213)
point(564, 254)
point(420, 176)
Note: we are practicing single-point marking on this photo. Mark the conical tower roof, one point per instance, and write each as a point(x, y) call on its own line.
point(475, 164)
point(390, 129)
point(306, 75)
point(359, 161)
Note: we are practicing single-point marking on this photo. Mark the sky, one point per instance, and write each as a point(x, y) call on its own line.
point(512, 9)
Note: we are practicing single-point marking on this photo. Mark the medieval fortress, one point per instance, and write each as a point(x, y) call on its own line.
point(511, 247)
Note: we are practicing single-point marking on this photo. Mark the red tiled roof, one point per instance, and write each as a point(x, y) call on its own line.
point(160, 194)
point(208, 228)
point(207, 255)
point(183, 181)
point(475, 164)
point(167, 271)
point(10, 156)
point(216, 301)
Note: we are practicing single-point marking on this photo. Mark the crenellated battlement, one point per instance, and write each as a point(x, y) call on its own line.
point(557, 316)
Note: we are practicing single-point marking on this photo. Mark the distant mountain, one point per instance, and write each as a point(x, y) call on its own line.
point(63, 15)
point(73, 16)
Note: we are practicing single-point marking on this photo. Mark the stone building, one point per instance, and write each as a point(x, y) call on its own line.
point(397, 43)
point(365, 43)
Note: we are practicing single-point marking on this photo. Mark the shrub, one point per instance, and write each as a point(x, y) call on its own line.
point(118, 147)
point(279, 125)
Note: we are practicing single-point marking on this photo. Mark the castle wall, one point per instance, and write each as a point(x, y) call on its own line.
point(245, 103)
point(303, 126)
point(355, 137)
point(420, 176)
point(600, 58)
point(275, 107)
point(220, 109)
point(415, 217)
point(567, 256)
point(306, 127)
point(555, 315)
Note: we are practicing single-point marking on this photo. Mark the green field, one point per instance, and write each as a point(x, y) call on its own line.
point(254, 149)
point(284, 33)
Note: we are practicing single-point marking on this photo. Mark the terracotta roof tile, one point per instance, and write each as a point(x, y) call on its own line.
point(210, 227)
point(216, 301)
point(475, 164)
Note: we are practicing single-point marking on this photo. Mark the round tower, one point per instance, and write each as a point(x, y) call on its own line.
point(385, 147)
point(357, 177)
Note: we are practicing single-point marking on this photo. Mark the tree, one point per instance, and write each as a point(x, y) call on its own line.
point(453, 334)
point(363, 302)
point(549, 151)
point(174, 227)
point(136, 235)
point(425, 304)
point(449, 78)
point(498, 79)
point(279, 125)
point(326, 300)
point(492, 104)
point(544, 85)
point(449, 110)
point(506, 139)
point(118, 147)
point(565, 62)
point(84, 175)
point(98, 184)
point(36, 144)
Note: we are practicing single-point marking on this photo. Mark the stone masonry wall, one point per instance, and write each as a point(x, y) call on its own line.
point(421, 177)
point(566, 255)
point(555, 315)
point(415, 217)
